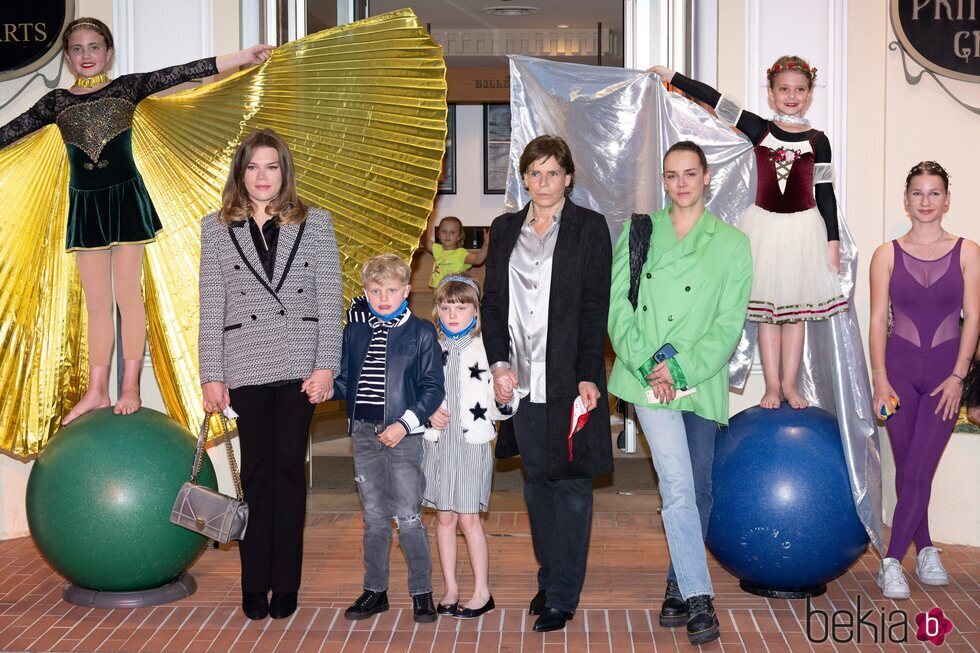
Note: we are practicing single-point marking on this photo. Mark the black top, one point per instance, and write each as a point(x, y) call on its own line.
point(756, 128)
point(90, 129)
point(266, 247)
point(268, 257)
point(972, 383)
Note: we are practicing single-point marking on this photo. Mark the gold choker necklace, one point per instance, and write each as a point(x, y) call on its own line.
point(89, 82)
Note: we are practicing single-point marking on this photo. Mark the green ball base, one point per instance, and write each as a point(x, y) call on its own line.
point(180, 588)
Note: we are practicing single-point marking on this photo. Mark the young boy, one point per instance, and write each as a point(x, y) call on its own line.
point(391, 375)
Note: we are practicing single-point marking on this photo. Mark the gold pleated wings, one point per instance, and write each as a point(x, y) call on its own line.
point(43, 351)
point(363, 108)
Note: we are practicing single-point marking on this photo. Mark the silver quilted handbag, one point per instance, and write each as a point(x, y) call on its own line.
point(198, 508)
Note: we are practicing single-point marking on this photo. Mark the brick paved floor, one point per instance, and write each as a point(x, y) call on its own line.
point(618, 611)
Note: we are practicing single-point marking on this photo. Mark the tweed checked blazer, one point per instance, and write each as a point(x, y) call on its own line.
point(255, 331)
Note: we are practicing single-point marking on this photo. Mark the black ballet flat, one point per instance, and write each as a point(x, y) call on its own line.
point(447, 609)
point(471, 613)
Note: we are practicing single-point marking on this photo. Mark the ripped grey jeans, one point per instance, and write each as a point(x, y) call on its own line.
point(390, 484)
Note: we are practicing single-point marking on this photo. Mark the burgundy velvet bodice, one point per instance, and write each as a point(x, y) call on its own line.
point(798, 193)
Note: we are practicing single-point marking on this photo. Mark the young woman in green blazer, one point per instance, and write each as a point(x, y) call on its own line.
point(673, 336)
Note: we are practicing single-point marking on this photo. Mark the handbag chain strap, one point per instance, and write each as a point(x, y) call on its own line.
point(199, 454)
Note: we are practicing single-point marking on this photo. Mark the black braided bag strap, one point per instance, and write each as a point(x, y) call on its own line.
point(641, 229)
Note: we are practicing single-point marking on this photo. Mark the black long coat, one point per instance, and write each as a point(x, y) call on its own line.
point(577, 315)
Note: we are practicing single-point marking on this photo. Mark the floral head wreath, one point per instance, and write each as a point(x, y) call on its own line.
point(802, 66)
point(462, 279)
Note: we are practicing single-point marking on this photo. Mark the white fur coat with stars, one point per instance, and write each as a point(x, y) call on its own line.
point(474, 404)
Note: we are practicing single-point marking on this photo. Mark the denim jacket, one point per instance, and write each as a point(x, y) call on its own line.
point(414, 381)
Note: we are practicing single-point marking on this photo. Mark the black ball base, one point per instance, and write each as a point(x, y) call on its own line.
point(770, 593)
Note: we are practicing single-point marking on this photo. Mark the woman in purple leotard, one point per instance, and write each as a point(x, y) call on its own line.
point(927, 277)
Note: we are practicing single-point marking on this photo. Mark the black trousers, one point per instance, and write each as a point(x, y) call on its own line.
point(273, 429)
point(560, 512)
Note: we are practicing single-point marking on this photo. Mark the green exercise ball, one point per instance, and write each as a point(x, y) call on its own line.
point(99, 499)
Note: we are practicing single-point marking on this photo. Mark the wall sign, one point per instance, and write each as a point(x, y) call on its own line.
point(30, 34)
point(478, 85)
point(940, 35)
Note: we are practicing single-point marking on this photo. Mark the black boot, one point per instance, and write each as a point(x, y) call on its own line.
point(255, 605)
point(538, 603)
point(702, 626)
point(367, 604)
point(423, 610)
point(282, 605)
point(673, 612)
point(551, 619)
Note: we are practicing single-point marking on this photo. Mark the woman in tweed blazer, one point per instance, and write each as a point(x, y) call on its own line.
point(270, 337)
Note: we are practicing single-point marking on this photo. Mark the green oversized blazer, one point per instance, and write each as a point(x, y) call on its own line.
point(693, 294)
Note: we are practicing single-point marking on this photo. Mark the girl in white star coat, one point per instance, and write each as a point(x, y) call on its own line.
point(457, 458)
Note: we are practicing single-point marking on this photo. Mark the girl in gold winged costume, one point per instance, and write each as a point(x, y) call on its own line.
point(110, 214)
point(363, 108)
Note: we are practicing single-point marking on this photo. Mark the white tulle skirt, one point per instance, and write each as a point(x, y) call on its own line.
point(792, 278)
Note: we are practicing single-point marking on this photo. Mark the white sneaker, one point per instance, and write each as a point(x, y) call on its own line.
point(929, 569)
point(891, 579)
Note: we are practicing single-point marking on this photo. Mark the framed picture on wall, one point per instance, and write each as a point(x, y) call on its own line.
point(447, 178)
point(496, 147)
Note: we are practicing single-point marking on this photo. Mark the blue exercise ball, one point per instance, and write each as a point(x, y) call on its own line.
point(783, 519)
point(99, 499)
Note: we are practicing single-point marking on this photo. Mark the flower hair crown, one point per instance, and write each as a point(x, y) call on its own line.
point(802, 66)
point(462, 278)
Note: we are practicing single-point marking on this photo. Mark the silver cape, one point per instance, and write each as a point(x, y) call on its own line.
point(618, 123)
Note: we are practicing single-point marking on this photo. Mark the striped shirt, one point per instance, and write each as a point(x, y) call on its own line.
point(369, 402)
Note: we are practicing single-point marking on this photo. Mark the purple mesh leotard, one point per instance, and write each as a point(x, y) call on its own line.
point(926, 297)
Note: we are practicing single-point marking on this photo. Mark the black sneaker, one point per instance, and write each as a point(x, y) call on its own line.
point(423, 609)
point(702, 626)
point(673, 612)
point(367, 604)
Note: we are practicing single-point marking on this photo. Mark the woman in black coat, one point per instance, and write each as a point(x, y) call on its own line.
point(544, 311)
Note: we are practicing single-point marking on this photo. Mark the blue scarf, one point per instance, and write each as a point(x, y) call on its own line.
point(390, 316)
point(456, 335)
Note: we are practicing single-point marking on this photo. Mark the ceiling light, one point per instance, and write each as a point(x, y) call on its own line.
point(510, 10)
point(563, 27)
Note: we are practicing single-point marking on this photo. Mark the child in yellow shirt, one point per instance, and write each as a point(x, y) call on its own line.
point(450, 257)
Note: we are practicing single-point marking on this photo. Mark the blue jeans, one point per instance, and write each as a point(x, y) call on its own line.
point(559, 511)
point(683, 447)
point(390, 484)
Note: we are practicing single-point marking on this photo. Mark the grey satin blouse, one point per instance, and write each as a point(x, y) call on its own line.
point(529, 279)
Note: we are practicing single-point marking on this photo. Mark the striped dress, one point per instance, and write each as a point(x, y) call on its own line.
point(457, 474)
